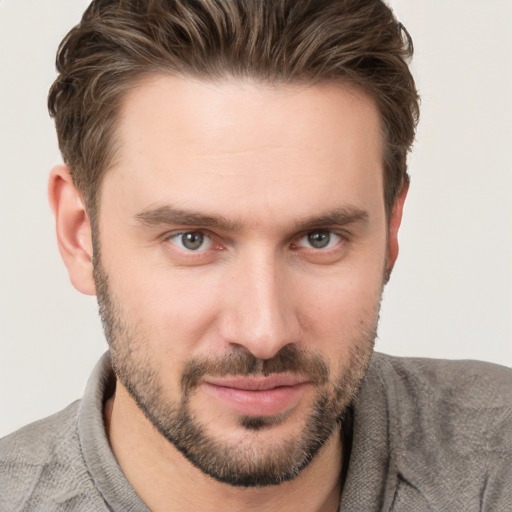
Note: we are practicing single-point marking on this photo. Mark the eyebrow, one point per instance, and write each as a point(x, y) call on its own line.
point(168, 215)
point(339, 217)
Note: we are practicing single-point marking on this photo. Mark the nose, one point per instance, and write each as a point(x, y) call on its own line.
point(259, 307)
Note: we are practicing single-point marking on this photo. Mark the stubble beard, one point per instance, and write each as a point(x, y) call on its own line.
point(256, 462)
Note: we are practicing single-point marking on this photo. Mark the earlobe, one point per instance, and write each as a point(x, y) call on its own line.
point(394, 225)
point(73, 229)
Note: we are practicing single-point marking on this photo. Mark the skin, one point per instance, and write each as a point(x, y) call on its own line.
point(271, 162)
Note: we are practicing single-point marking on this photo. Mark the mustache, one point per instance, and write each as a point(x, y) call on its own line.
point(242, 363)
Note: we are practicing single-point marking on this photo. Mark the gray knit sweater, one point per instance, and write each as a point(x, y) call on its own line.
point(429, 435)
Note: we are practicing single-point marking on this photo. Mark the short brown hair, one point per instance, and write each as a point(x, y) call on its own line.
point(119, 42)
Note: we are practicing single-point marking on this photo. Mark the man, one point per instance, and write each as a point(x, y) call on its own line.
point(233, 189)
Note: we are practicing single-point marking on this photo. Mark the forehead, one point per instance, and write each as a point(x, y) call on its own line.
point(200, 111)
point(239, 141)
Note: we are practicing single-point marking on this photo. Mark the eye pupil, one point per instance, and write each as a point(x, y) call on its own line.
point(319, 239)
point(193, 240)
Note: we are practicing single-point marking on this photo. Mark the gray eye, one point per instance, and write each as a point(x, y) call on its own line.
point(319, 239)
point(192, 241)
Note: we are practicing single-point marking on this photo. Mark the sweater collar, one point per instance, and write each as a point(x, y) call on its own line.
point(372, 473)
point(99, 458)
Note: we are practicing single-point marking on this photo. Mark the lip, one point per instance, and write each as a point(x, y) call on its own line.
point(258, 396)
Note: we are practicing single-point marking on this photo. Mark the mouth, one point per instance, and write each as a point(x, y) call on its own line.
point(258, 395)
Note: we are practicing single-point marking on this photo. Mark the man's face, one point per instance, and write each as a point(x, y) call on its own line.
point(243, 246)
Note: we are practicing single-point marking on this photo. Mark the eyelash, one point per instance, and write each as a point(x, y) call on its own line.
point(294, 245)
point(341, 237)
point(178, 236)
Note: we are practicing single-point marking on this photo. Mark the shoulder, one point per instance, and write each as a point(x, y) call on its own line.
point(452, 424)
point(41, 465)
point(464, 383)
point(465, 400)
point(458, 396)
point(38, 442)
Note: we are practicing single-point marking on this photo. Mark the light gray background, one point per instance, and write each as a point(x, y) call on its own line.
point(451, 292)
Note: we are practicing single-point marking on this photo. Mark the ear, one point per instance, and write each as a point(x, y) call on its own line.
point(394, 225)
point(73, 229)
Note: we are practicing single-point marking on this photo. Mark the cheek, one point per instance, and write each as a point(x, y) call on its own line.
point(342, 311)
point(344, 306)
point(171, 311)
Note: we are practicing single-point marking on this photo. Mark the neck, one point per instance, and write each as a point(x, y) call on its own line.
point(166, 481)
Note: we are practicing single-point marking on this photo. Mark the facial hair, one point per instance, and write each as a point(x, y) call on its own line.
point(254, 463)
